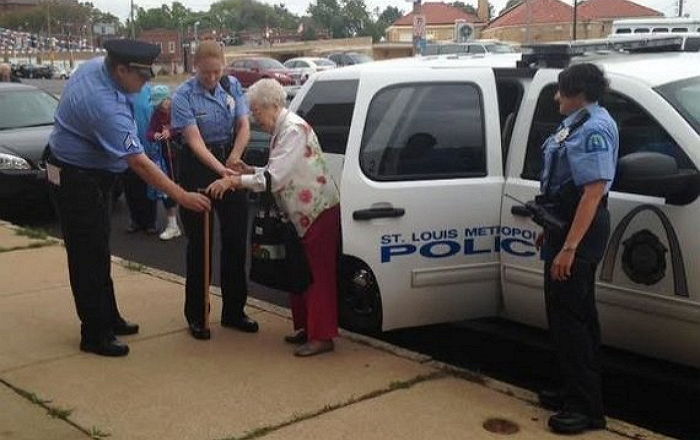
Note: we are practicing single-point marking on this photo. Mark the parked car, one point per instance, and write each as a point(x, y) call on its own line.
point(470, 48)
point(302, 68)
point(34, 71)
point(61, 73)
point(427, 153)
point(349, 58)
point(26, 121)
point(250, 70)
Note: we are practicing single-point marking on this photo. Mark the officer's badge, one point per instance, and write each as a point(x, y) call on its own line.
point(562, 134)
point(129, 142)
point(596, 142)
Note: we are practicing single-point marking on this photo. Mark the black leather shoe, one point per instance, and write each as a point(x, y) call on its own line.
point(244, 324)
point(199, 332)
point(551, 400)
point(125, 328)
point(573, 423)
point(108, 346)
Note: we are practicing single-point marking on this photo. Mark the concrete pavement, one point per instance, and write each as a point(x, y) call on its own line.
point(234, 386)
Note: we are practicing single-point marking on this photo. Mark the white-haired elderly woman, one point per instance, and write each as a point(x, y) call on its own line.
point(305, 191)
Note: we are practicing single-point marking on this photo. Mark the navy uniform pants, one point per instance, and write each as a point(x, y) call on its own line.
point(232, 212)
point(575, 331)
point(142, 210)
point(83, 204)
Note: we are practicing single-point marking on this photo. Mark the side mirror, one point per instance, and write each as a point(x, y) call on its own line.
point(656, 174)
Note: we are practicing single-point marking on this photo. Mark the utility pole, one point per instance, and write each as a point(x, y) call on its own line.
point(575, 18)
point(131, 18)
point(680, 8)
point(528, 34)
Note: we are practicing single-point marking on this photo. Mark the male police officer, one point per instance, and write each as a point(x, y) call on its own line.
point(579, 166)
point(93, 140)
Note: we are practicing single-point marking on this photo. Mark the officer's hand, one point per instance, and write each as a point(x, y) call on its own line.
point(561, 266)
point(195, 202)
point(165, 134)
point(239, 166)
point(539, 241)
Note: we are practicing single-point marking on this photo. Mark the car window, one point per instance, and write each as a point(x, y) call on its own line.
point(661, 30)
point(323, 62)
point(638, 131)
point(424, 132)
point(269, 63)
point(328, 108)
point(692, 44)
point(26, 108)
point(679, 30)
point(476, 48)
point(302, 64)
point(623, 31)
point(685, 97)
point(290, 64)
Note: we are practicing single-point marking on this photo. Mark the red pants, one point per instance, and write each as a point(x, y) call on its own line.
point(316, 310)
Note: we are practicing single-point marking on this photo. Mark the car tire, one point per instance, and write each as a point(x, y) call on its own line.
point(359, 300)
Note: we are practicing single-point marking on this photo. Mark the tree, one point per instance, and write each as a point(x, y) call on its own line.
point(357, 19)
point(389, 15)
point(328, 15)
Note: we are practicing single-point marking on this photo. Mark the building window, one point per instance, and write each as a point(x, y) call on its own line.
point(171, 46)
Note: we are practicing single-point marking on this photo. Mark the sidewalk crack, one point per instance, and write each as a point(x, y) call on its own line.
point(55, 411)
point(393, 386)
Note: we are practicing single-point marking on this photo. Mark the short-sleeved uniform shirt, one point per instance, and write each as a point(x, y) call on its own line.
point(588, 155)
point(214, 113)
point(94, 124)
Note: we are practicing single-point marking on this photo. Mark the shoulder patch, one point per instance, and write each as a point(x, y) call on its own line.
point(596, 142)
point(129, 142)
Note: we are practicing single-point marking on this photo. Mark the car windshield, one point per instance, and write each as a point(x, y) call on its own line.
point(270, 64)
point(323, 62)
point(26, 108)
point(684, 95)
point(360, 58)
point(499, 48)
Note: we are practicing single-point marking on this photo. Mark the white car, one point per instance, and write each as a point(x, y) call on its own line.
point(304, 67)
point(425, 150)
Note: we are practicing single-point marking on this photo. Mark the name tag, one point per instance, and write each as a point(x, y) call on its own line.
point(53, 174)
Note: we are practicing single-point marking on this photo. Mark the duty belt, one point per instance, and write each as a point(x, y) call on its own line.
point(74, 169)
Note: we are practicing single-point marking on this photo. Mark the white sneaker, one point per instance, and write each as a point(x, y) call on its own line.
point(170, 232)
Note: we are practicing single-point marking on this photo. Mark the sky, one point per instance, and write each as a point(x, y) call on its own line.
point(120, 8)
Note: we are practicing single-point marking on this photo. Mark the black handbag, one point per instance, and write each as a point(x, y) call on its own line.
point(278, 259)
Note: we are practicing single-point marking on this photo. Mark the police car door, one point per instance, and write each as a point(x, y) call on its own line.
point(420, 191)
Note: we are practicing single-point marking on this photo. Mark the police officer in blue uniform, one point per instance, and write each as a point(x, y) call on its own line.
point(579, 166)
point(211, 113)
point(94, 139)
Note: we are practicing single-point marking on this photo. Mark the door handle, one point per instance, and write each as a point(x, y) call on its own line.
point(372, 213)
point(520, 211)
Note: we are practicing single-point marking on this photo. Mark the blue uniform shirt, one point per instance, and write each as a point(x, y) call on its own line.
point(588, 155)
point(214, 114)
point(94, 124)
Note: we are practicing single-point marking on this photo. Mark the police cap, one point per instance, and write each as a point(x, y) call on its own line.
point(136, 54)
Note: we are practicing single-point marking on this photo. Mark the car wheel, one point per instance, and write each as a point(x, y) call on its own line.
point(359, 302)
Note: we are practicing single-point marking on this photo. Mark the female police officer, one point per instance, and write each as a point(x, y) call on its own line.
point(212, 115)
point(94, 139)
point(579, 166)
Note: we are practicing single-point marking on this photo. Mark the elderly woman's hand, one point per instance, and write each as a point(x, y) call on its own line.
point(239, 166)
point(219, 187)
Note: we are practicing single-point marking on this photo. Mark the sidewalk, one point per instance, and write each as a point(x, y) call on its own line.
point(235, 386)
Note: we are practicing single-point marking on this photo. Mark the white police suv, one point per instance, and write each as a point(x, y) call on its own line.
point(425, 150)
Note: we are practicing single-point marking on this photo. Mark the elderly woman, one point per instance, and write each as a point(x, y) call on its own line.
point(304, 191)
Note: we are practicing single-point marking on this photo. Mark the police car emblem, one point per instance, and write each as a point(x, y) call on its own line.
point(596, 142)
point(562, 135)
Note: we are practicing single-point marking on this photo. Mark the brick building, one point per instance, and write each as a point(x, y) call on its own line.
point(552, 20)
point(440, 19)
point(171, 56)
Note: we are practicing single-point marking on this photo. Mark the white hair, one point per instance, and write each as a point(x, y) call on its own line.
point(267, 93)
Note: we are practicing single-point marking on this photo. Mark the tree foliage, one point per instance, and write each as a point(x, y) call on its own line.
point(61, 17)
